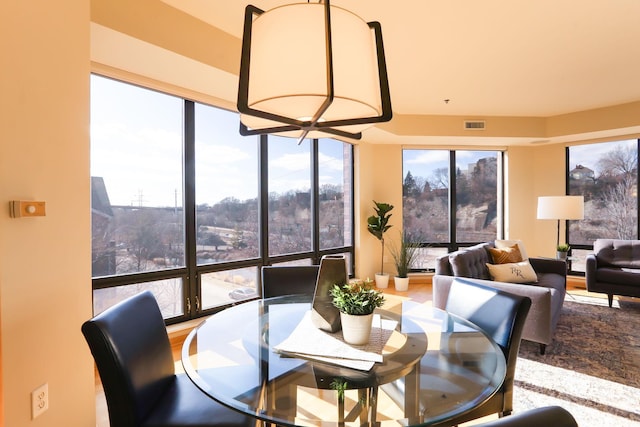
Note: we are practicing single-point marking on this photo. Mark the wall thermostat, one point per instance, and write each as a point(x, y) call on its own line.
point(22, 208)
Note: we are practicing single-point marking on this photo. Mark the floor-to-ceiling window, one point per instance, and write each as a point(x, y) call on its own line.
point(227, 228)
point(184, 206)
point(137, 193)
point(289, 185)
point(606, 174)
point(451, 199)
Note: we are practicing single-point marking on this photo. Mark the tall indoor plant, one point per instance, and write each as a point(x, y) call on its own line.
point(404, 255)
point(377, 225)
point(356, 302)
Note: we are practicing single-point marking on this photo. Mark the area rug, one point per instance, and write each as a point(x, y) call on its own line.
point(592, 367)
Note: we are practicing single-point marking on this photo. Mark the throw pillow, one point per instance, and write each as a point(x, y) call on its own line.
point(505, 255)
point(516, 272)
point(508, 243)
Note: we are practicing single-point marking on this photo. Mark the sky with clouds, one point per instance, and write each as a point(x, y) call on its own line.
point(136, 146)
point(588, 155)
point(422, 163)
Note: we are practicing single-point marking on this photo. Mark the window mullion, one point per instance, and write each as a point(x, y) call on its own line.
point(315, 201)
point(637, 186)
point(453, 240)
point(192, 290)
point(263, 205)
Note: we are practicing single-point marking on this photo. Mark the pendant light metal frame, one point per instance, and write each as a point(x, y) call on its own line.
point(290, 124)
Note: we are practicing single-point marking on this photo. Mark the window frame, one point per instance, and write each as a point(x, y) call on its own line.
point(567, 228)
point(191, 273)
point(453, 244)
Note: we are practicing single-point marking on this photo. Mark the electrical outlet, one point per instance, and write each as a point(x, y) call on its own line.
point(39, 400)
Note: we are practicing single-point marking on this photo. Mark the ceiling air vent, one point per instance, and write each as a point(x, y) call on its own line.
point(474, 124)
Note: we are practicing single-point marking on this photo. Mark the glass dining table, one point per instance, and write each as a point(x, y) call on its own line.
point(435, 366)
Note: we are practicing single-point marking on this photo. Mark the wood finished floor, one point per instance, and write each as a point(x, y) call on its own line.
point(419, 291)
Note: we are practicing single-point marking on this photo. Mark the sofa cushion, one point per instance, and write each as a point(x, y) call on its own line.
point(621, 276)
point(514, 272)
point(619, 253)
point(505, 255)
point(471, 262)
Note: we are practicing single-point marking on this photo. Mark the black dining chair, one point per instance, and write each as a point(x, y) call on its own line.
point(548, 416)
point(501, 315)
point(288, 280)
point(131, 348)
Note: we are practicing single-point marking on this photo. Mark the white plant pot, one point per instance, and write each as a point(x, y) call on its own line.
point(356, 329)
point(401, 283)
point(382, 280)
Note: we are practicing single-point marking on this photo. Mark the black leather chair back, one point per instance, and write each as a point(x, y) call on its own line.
point(131, 348)
point(499, 314)
point(287, 280)
point(548, 416)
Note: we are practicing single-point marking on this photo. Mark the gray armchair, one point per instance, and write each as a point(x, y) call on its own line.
point(614, 268)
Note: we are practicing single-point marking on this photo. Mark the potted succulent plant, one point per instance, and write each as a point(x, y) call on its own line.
point(404, 255)
point(356, 302)
point(562, 250)
point(377, 225)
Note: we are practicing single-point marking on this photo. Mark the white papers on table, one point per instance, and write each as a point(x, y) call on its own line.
point(309, 342)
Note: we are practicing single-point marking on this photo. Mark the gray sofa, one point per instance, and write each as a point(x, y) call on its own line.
point(547, 293)
point(614, 268)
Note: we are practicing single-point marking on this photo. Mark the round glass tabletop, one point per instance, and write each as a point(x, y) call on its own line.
point(433, 366)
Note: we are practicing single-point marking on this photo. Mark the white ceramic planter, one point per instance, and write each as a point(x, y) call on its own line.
point(382, 280)
point(356, 329)
point(401, 283)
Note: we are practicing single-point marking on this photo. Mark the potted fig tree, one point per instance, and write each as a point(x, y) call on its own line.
point(356, 302)
point(377, 225)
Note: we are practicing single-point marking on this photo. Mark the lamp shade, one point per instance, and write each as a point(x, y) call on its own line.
point(312, 69)
point(561, 207)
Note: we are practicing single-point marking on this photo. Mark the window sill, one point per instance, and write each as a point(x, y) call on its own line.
point(182, 329)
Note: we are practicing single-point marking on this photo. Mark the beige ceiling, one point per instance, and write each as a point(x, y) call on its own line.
point(530, 69)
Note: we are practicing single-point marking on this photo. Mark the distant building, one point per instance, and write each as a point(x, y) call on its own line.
point(582, 173)
point(103, 244)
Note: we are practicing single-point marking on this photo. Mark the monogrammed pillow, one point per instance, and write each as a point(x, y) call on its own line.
point(515, 272)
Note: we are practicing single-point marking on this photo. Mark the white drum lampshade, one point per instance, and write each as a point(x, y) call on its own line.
point(560, 208)
point(310, 70)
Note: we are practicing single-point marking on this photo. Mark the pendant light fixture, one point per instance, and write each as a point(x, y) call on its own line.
point(310, 70)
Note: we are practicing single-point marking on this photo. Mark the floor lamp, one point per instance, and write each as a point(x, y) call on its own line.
point(560, 208)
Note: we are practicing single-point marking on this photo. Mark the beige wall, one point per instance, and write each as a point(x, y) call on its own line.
point(45, 277)
point(378, 175)
point(532, 172)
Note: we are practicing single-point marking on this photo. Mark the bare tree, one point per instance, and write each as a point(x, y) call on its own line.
point(622, 160)
point(440, 178)
point(620, 205)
